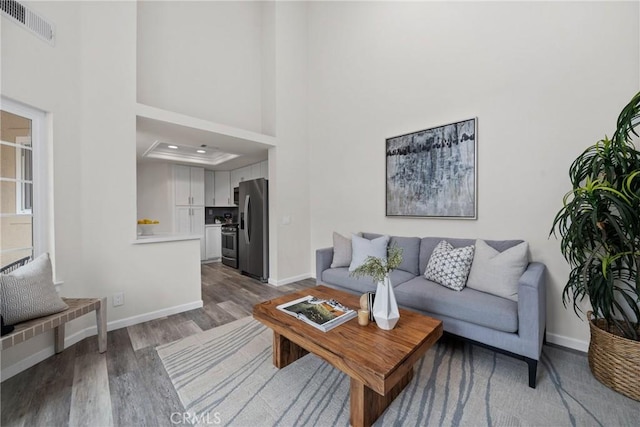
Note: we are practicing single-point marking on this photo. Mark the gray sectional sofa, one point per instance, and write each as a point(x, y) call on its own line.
point(515, 328)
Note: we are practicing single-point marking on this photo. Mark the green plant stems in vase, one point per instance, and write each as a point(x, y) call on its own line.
point(385, 308)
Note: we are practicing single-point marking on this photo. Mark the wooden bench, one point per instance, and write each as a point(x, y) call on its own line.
point(77, 307)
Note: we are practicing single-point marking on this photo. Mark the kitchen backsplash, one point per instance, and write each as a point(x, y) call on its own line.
point(213, 213)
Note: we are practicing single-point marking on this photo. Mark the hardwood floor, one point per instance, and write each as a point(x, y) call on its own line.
point(127, 385)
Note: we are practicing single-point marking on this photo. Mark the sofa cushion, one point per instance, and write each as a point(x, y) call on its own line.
point(468, 305)
point(410, 251)
point(428, 244)
point(498, 272)
point(364, 248)
point(341, 277)
point(449, 266)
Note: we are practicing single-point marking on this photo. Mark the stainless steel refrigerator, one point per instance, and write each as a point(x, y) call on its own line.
point(253, 236)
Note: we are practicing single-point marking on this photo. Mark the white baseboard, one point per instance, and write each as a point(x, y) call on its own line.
point(571, 343)
point(134, 320)
point(288, 280)
point(43, 354)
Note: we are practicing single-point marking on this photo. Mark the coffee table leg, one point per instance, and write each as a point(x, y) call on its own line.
point(367, 405)
point(285, 351)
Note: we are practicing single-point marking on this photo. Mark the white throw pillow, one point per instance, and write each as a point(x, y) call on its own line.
point(449, 266)
point(497, 273)
point(364, 248)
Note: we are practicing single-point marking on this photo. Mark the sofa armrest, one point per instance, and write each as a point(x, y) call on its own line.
point(324, 258)
point(532, 309)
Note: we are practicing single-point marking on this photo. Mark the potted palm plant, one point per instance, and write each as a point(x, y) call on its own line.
point(599, 226)
point(385, 308)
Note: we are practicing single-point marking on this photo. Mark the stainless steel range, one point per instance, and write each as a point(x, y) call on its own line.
point(230, 245)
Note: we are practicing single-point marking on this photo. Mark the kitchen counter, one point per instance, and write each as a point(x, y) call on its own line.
point(165, 237)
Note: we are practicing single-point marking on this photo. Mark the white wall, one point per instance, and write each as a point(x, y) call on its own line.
point(289, 162)
point(156, 194)
point(544, 79)
point(86, 82)
point(202, 59)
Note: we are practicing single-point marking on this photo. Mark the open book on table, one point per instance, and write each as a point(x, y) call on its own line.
point(319, 313)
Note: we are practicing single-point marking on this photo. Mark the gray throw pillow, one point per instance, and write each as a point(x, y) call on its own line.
point(364, 248)
point(28, 292)
point(449, 266)
point(341, 251)
point(496, 272)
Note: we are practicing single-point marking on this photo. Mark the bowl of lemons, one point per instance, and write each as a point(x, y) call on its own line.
point(147, 226)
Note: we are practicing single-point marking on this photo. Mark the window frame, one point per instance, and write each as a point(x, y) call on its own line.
point(42, 217)
point(21, 182)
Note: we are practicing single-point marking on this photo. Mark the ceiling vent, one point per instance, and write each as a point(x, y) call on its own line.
point(28, 19)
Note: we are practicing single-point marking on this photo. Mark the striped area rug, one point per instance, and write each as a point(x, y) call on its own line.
point(225, 376)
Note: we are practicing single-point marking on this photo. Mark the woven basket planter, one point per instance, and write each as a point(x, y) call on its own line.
point(614, 360)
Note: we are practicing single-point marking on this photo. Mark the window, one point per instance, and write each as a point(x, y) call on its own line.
point(23, 174)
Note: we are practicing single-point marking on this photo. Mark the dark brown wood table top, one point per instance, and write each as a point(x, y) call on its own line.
point(373, 356)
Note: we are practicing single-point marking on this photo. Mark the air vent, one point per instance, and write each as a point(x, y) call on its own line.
point(28, 19)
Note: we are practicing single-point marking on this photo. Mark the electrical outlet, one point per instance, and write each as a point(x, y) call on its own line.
point(118, 299)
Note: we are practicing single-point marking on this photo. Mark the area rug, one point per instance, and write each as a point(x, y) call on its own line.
point(225, 376)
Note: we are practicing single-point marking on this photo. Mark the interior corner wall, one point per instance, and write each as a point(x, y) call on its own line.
point(289, 220)
point(544, 79)
point(86, 83)
point(202, 59)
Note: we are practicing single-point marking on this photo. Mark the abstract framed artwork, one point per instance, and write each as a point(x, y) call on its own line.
point(433, 172)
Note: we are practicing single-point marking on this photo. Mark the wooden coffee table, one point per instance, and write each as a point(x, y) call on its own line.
point(379, 363)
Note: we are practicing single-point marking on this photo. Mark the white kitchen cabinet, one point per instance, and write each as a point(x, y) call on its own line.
point(222, 189)
point(213, 241)
point(264, 169)
point(190, 220)
point(209, 188)
point(256, 171)
point(234, 178)
point(242, 174)
point(189, 185)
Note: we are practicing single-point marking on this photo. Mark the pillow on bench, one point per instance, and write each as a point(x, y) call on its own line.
point(28, 292)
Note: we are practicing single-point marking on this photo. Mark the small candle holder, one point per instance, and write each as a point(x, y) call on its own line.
point(363, 317)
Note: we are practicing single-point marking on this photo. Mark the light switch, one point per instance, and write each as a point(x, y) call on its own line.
point(286, 220)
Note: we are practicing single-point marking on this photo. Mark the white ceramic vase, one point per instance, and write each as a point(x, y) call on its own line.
point(385, 307)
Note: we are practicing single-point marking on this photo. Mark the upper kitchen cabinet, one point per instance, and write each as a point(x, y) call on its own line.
point(189, 185)
point(222, 189)
point(254, 171)
point(264, 169)
point(209, 188)
point(239, 175)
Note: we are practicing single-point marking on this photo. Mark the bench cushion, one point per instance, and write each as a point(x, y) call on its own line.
point(469, 305)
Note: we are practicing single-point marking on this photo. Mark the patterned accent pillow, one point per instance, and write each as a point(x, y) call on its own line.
point(28, 292)
point(449, 266)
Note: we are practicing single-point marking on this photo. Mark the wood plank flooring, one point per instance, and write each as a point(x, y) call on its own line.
point(127, 385)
